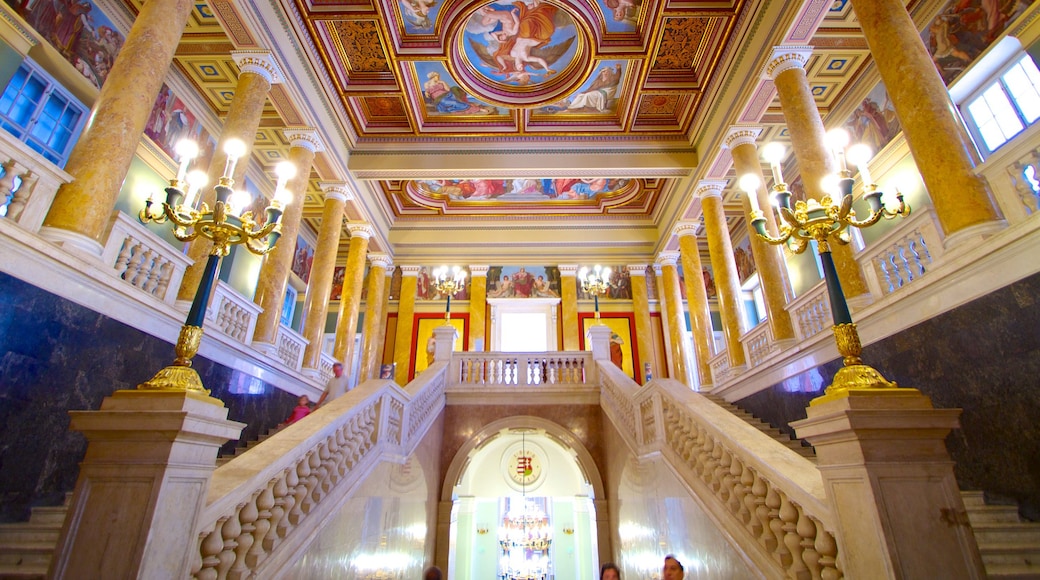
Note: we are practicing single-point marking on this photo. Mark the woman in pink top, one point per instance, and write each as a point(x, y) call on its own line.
point(302, 410)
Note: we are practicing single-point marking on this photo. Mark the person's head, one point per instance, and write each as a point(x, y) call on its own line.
point(337, 369)
point(673, 569)
point(433, 573)
point(304, 400)
point(609, 571)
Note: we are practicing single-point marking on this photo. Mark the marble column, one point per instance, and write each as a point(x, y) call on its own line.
point(673, 311)
point(724, 268)
point(569, 306)
point(319, 290)
point(644, 331)
point(769, 261)
point(405, 322)
point(350, 302)
point(80, 211)
point(478, 306)
point(898, 511)
point(142, 485)
point(387, 280)
point(940, 144)
point(697, 302)
point(815, 158)
point(258, 71)
point(372, 349)
point(275, 268)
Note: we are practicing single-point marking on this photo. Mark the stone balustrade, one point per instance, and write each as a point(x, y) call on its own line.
point(143, 259)
point(811, 312)
point(759, 345)
point(264, 505)
point(1013, 173)
point(521, 369)
point(903, 255)
point(720, 369)
point(290, 346)
point(769, 499)
point(28, 183)
point(232, 313)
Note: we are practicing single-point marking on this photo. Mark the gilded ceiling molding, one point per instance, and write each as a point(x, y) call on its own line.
point(305, 137)
point(667, 259)
point(361, 230)
point(738, 135)
point(710, 188)
point(785, 58)
point(259, 62)
point(336, 190)
point(380, 260)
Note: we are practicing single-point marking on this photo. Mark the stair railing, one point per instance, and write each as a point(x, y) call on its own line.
point(265, 505)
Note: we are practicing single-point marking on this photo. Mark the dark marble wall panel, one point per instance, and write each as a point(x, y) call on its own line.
point(57, 356)
point(984, 358)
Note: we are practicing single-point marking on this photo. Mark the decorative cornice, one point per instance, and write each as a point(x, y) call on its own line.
point(305, 137)
point(361, 230)
point(710, 188)
point(336, 190)
point(738, 135)
point(259, 62)
point(568, 270)
point(410, 271)
point(667, 258)
point(686, 229)
point(380, 260)
point(480, 270)
point(636, 269)
point(785, 58)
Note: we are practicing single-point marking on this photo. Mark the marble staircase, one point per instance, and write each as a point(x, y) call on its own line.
point(780, 436)
point(249, 445)
point(26, 548)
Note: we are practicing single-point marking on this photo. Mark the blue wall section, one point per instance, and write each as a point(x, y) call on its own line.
point(57, 356)
point(984, 358)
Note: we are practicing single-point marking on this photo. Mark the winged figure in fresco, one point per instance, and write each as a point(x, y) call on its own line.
point(520, 41)
point(418, 12)
point(624, 9)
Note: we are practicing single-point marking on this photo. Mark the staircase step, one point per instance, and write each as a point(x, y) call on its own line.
point(27, 554)
point(22, 572)
point(973, 499)
point(13, 534)
point(1012, 561)
point(992, 514)
point(49, 515)
point(1000, 533)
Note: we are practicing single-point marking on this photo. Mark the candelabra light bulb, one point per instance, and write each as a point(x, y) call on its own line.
point(239, 201)
point(829, 184)
point(196, 181)
point(234, 149)
point(860, 155)
point(283, 197)
point(749, 182)
point(774, 152)
point(285, 171)
point(838, 139)
point(186, 150)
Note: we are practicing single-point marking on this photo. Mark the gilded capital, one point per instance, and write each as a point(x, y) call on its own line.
point(636, 269)
point(361, 230)
point(260, 62)
point(785, 58)
point(738, 135)
point(480, 270)
point(710, 188)
point(686, 229)
point(410, 271)
point(305, 137)
point(380, 260)
point(568, 270)
point(667, 259)
point(336, 190)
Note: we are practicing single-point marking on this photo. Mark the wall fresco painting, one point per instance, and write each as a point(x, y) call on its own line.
point(964, 29)
point(522, 190)
point(598, 95)
point(523, 282)
point(620, 15)
point(444, 97)
point(620, 340)
point(303, 257)
point(874, 122)
point(745, 262)
point(520, 44)
point(170, 121)
point(338, 274)
point(79, 30)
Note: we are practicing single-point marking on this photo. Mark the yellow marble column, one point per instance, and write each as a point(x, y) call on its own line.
point(769, 261)
point(815, 159)
point(673, 310)
point(258, 71)
point(275, 268)
point(697, 301)
point(319, 290)
point(569, 306)
point(644, 332)
point(386, 313)
point(350, 302)
point(937, 138)
point(477, 307)
point(724, 268)
point(372, 349)
point(405, 323)
point(98, 163)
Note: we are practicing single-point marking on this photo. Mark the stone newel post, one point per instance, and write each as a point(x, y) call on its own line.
point(890, 482)
point(142, 485)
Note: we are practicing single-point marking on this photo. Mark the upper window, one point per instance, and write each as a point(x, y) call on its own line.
point(40, 112)
point(1003, 108)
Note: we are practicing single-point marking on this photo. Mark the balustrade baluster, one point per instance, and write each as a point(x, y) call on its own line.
point(807, 530)
point(789, 515)
point(760, 525)
point(776, 525)
point(210, 548)
point(265, 505)
point(247, 515)
point(153, 276)
point(21, 195)
point(229, 532)
point(133, 263)
point(7, 181)
point(283, 504)
point(741, 481)
point(145, 268)
point(828, 550)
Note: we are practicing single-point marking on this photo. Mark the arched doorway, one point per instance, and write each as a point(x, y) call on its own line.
point(523, 497)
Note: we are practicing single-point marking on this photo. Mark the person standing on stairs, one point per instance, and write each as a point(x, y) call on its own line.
point(337, 384)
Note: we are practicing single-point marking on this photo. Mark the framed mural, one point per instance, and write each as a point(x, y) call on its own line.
point(523, 282)
point(745, 262)
point(303, 257)
point(422, 340)
point(444, 97)
point(622, 349)
point(337, 282)
point(964, 29)
point(599, 94)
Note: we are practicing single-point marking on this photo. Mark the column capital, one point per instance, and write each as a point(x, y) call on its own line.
point(568, 270)
point(479, 270)
point(668, 258)
point(337, 190)
point(687, 228)
point(306, 137)
point(710, 188)
point(361, 230)
point(784, 58)
point(410, 271)
point(636, 269)
point(738, 135)
point(657, 269)
point(380, 260)
point(259, 62)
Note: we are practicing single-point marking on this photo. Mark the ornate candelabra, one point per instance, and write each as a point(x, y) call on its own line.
point(595, 282)
point(820, 221)
point(226, 225)
point(449, 285)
